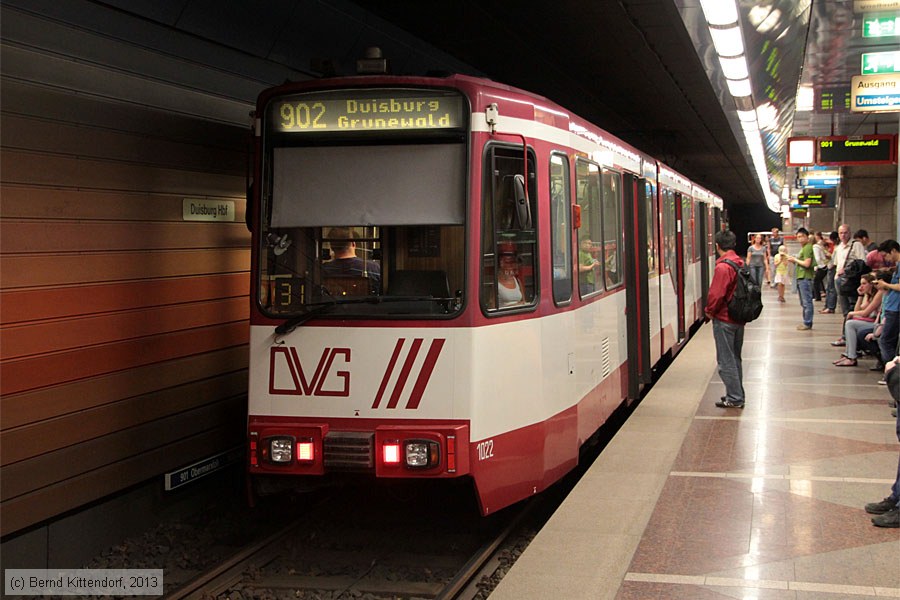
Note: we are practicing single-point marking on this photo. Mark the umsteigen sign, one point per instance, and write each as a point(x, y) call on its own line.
point(875, 93)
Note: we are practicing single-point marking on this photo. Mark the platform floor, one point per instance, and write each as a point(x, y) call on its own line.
point(691, 501)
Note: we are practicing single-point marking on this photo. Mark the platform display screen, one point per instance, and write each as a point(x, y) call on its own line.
point(871, 149)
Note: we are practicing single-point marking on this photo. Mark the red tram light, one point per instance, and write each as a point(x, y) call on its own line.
point(306, 450)
point(451, 454)
point(390, 452)
point(254, 458)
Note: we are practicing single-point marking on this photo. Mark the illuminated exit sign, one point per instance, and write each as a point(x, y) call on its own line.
point(874, 63)
point(876, 27)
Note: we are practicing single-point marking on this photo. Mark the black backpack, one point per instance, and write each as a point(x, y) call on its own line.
point(746, 302)
point(853, 272)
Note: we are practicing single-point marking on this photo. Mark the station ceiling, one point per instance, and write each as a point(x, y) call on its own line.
point(645, 70)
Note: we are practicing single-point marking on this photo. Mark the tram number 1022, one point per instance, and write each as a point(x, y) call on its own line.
point(485, 449)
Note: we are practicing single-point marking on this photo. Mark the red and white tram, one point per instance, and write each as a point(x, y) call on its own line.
point(453, 278)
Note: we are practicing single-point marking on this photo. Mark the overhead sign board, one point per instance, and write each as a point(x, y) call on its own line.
point(862, 6)
point(863, 150)
point(816, 199)
point(875, 93)
point(874, 63)
point(878, 26)
point(829, 99)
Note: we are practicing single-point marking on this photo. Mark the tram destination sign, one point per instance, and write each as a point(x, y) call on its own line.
point(360, 111)
point(864, 150)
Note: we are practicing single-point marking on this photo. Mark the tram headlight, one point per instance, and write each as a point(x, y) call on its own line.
point(281, 450)
point(422, 454)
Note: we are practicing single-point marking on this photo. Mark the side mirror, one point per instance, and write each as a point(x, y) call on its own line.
point(523, 207)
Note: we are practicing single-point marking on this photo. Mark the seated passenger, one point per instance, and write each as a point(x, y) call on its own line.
point(345, 261)
point(860, 321)
point(510, 291)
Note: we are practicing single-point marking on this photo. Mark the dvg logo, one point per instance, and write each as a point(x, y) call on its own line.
point(314, 386)
point(405, 376)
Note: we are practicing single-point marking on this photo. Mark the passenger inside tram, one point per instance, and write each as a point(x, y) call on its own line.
point(510, 290)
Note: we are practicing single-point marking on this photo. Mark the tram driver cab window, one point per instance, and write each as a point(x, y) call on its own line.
point(509, 274)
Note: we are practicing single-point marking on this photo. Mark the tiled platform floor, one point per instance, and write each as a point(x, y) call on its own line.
point(691, 501)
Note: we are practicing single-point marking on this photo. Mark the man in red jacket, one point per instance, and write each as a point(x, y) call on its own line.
point(728, 333)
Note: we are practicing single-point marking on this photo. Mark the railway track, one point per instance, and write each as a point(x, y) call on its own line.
point(392, 558)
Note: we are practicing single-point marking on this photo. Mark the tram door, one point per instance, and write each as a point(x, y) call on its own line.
point(702, 221)
point(680, 264)
point(637, 313)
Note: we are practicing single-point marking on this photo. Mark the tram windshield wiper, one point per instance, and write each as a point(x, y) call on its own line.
point(295, 321)
point(323, 307)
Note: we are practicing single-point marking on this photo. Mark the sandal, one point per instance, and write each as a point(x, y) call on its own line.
point(839, 342)
point(846, 362)
point(826, 311)
point(841, 359)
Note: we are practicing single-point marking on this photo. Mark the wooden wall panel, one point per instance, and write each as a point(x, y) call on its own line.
point(42, 135)
point(59, 205)
point(21, 305)
point(51, 501)
point(51, 402)
point(52, 466)
point(123, 327)
point(71, 269)
point(22, 443)
point(29, 236)
point(68, 334)
point(31, 168)
point(19, 375)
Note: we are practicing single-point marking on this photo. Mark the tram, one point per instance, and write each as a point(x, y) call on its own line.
point(453, 278)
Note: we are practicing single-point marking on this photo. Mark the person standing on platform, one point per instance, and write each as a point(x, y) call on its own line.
point(845, 252)
point(890, 321)
point(820, 253)
point(758, 259)
point(727, 333)
point(805, 264)
point(830, 292)
point(775, 242)
point(887, 512)
point(863, 236)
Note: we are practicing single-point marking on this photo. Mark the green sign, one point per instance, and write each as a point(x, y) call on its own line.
point(876, 27)
point(880, 62)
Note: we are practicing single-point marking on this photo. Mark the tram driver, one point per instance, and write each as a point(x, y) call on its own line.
point(345, 262)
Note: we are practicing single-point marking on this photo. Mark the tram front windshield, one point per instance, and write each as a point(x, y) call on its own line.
point(369, 222)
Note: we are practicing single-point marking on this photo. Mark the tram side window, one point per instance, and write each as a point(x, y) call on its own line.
point(590, 234)
point(669, 234)
point(652, 222)
point(560, 231)
point(687, 227)
point(509, 274)
point(612, 228)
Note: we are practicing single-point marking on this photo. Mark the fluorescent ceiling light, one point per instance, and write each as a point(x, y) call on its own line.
point(767, 115)
point(764, 18)
point(728, 42)
point(739, 88)
point(746, 115)
point(734, 68)
point(805, 98)
point(719, 12)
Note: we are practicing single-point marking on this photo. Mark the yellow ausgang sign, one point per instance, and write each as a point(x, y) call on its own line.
point(875, 93)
